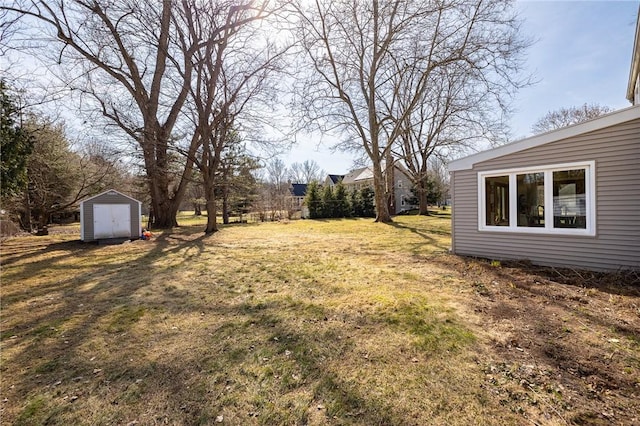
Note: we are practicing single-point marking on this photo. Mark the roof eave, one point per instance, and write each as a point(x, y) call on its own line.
point(608, 120)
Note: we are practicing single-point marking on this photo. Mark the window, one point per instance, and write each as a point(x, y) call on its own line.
point(569, 199)
point(558, 199)
point(402, 201)
point(399, 183)
point(497, 197)
point(530, 199)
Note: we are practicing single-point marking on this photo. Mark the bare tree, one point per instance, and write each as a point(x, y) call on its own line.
point(568, 116)
point(364, 52)
point(236, 185)
point(276, 186)
point(122, 56)
point(232, 65)
point(348, 45)
point(453, 84)
point(306, 172)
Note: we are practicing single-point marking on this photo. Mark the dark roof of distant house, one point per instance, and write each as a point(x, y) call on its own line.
point(298, 189)
point(336, 178)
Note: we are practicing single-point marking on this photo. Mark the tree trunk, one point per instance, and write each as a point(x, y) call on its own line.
point(380, 194)
point(26, 222)
point(423, 193)
point(165, 212)
point(212, 225)
point(225, 205)
point(210, 196)
point(165, 205)
point(157, 178)
point(390, 183)
point(422, 203)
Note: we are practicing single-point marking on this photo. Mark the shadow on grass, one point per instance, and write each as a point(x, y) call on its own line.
point(95, 310)
point(9, 256)
point(427, 236)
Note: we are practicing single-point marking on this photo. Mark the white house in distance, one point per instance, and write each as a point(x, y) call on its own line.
point(566, 198)
point(399, 185)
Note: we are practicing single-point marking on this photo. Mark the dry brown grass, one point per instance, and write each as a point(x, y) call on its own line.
point(304, 322)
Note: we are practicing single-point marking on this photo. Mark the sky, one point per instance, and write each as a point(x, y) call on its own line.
point(582, 54)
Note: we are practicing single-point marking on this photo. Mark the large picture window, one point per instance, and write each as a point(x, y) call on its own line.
point(557, 199)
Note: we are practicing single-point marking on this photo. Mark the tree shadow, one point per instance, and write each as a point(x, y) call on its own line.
point(427, 236)
point(53, 342)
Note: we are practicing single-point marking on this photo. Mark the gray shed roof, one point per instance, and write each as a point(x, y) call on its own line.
point(110, 191)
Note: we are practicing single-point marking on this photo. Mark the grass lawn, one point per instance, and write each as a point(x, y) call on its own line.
point(335, 322)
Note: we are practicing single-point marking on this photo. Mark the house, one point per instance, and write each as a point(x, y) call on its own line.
point(358, 179)
point(110, 215)
point(295, 199)
point(567, 198)
point(399, 186)
point(297, 192)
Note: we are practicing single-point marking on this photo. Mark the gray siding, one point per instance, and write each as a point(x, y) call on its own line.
point(402, 188)
point(109, 197)
point(616, 152)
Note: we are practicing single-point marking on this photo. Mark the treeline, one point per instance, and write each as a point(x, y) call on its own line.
point(43, 176)
point(336, 202)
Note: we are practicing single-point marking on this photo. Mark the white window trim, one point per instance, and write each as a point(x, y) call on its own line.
point(590, 194)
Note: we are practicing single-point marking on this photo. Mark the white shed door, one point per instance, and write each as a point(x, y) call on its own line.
point(111, 220)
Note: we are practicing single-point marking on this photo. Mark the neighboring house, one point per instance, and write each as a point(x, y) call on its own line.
point(332, 180)
point(567, 198)
point(399, 186)
point(295, 200)
point(358, 179)
point(297, 192)
point(402, 190)
point(633, 89)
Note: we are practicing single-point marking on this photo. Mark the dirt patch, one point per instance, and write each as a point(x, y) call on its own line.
point(565, 343)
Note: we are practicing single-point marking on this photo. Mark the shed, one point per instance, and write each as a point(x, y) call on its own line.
point(110, 215)
point(566, 198)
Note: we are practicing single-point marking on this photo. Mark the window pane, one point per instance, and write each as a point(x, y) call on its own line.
point(531, 200)
point(497, 200)
point(569, 199)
